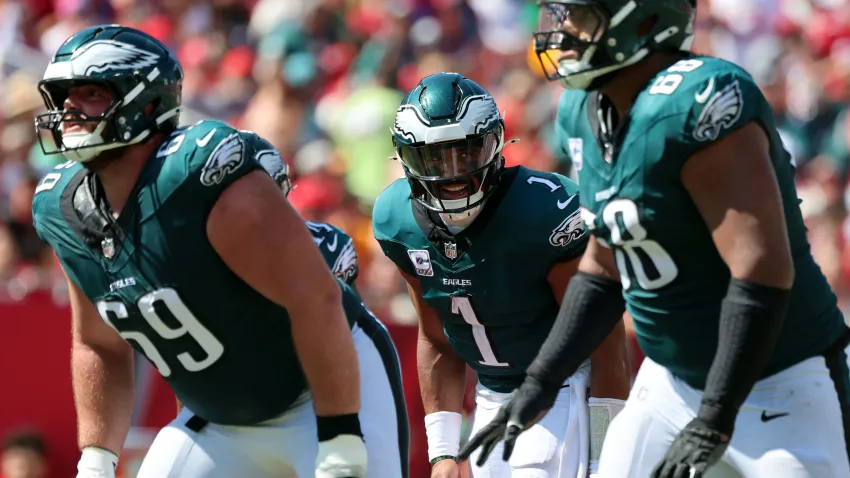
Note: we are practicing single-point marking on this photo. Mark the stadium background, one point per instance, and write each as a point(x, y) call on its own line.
point(321, 80)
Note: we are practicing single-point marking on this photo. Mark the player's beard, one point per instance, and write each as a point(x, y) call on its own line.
point(599, 82)
point(459, 221)
point(105, 158)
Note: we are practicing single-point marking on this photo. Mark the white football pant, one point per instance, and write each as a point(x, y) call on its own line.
point(789, 427)
point(286, 446)
point(554, 447)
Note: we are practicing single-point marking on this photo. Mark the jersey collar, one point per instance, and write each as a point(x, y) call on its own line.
point(452, 247)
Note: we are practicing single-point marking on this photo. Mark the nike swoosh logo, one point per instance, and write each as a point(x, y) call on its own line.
point(206, 139)
point(332, 248)
point(563, 205)
point(766, 418)
point(703, 97)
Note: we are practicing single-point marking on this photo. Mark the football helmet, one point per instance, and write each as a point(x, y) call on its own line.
point(449, 134)
point(135, 67)
point(581, 41)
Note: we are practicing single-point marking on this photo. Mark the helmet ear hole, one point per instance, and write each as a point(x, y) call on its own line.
point(151, 107)
point(646, 26)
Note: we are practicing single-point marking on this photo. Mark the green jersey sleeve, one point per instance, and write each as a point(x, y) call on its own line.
point(557, 231)
point(723, 103)
point(338, 250)
point(208, 157)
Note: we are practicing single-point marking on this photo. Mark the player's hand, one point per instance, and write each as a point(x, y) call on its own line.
point(529, 403)
point(445, 469)
point(343, 456)
point(97, 463)
point(695, 450)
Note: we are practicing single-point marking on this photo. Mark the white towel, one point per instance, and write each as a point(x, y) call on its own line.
point(576, 453)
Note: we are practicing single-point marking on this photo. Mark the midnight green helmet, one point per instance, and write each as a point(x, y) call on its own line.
point(449, 136)
point(579, 41)
point(137, 69)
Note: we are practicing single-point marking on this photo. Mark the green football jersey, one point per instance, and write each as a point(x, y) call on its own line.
point(226, 350)
point(633, 201)
point(489, 282)
point(338, 250)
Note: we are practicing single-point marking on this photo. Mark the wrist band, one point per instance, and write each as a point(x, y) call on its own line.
point(443, 431)
point(444, 457)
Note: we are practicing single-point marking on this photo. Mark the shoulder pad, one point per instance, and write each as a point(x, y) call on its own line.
point(713, 94)
point(48, 193)
point(393, 224)
point(572, 112)
point(207, 156)
point(390, 210)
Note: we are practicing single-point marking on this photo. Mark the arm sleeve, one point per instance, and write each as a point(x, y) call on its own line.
point(591, 308)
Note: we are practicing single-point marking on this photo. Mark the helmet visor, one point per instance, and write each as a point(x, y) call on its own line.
point(565, 31)
point(450, 159)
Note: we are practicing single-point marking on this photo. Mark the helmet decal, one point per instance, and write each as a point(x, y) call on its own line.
point(476, 115)
point(102, 55)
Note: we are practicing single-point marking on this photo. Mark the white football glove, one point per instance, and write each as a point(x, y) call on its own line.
point(344, 456)
point(602, 411)
point(97, 463)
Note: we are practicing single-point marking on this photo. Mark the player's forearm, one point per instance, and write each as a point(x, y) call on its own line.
point(609, 372)
point(103, 393)
point(442, 377)
point(327, 355)
point(750, 321)
point(442, 381)
point(592, 307)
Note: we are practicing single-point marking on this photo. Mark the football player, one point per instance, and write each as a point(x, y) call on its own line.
point(487, 253)
point(691, 202)
point(383, 413)
point(175, 241)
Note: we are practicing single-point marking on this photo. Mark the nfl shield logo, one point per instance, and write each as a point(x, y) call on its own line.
point(451, 250)
point(576, 146)
point(108, 247)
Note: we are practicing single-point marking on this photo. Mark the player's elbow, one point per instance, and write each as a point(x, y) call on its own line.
point(786, 273)
point(321, 303)
point(773, 268)
point(92, 355)
point(436, 343)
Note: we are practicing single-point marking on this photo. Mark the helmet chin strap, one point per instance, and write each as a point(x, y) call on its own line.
point(459, 221)
point(83, 147)
point(583, 79)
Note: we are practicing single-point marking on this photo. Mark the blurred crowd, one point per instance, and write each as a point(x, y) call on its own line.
point(321, 79)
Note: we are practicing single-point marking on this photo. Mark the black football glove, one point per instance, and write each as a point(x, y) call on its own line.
point(529, 402)
point(696, 449)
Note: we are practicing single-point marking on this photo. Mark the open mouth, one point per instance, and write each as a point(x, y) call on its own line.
point(74, 121)
point(454, 191)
